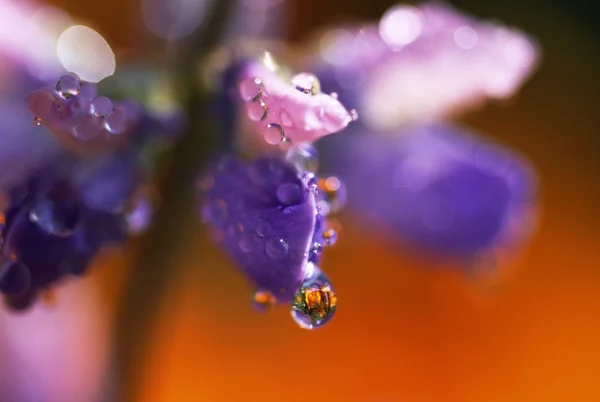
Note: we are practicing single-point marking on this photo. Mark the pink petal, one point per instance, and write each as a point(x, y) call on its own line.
point(287, 111)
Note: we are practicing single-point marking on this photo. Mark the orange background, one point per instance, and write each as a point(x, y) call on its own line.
point(405, 331)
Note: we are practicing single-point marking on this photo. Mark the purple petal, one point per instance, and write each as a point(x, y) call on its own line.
point(437, 186)
point(265, 217)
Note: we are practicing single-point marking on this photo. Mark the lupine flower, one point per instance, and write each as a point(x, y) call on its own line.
point(268, 214)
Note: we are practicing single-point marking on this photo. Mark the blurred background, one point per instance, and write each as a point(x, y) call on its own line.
point(407, 329)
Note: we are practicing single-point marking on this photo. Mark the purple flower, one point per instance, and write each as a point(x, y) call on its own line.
point(423, 63)
point(437, 186)
point(264, 214)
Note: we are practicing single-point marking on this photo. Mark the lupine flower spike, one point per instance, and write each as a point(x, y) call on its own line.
point(268, 214)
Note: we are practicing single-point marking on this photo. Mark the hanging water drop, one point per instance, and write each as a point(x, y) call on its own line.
point(116, 121)
point(263, 300)
point(315, 301)
point(354, 114)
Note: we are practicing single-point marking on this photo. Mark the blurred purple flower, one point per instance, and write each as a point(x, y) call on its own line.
point(422, 63)
point(437, 186)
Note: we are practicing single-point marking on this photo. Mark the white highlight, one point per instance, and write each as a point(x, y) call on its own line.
point(400, 26)
point(85, 52)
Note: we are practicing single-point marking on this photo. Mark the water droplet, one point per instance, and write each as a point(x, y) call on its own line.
point(101, 106)
point(306, 83)
point(286, 120)
point(263, 228)
point(334, 95)
point(286, 144)
point(330, 237)
point(333, 193)
point(263, 300)
point(37, 121)
point(88, 127)
point(287, 193)
point(249, 241)
point(274, 134)
point(304, 157)
point(116, 122)
point(251, 89)
point(316, 250)
point(315, 301)
point(277, 248)
point(15, 277)
point(58, 215)
point(138, 215)
point(68, 86)
point(354, 114)
point(257, 111)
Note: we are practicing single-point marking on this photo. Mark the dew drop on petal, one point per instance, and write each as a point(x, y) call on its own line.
point(276, 248)
point(88, 128)
point(287, 193)
point(306, 83)
point(257, 111)
point(56, 217)
point(263, 300)
point(274, 134)
point(116, 122)
point(68, 86)
point(286, 120)
point(354, 114)
point(330, 237)
point(251, 89)
point(248, 242)
point(315, 301)
point(102, 106)
point(263, 228)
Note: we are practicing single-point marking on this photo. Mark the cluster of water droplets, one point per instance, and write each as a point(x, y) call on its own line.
point(72, 109)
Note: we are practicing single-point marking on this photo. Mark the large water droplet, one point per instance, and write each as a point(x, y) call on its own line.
point(287, 193)
point(304, 157)
point(274, 134)
point(15, 277)
point(257, 111)
point(68, 86)
point(306, 83)
point(251, 89)
point(276, 248)
point(263, 300)
point(315, 301)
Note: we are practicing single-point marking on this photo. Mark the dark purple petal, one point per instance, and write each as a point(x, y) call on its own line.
point(264, 216)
